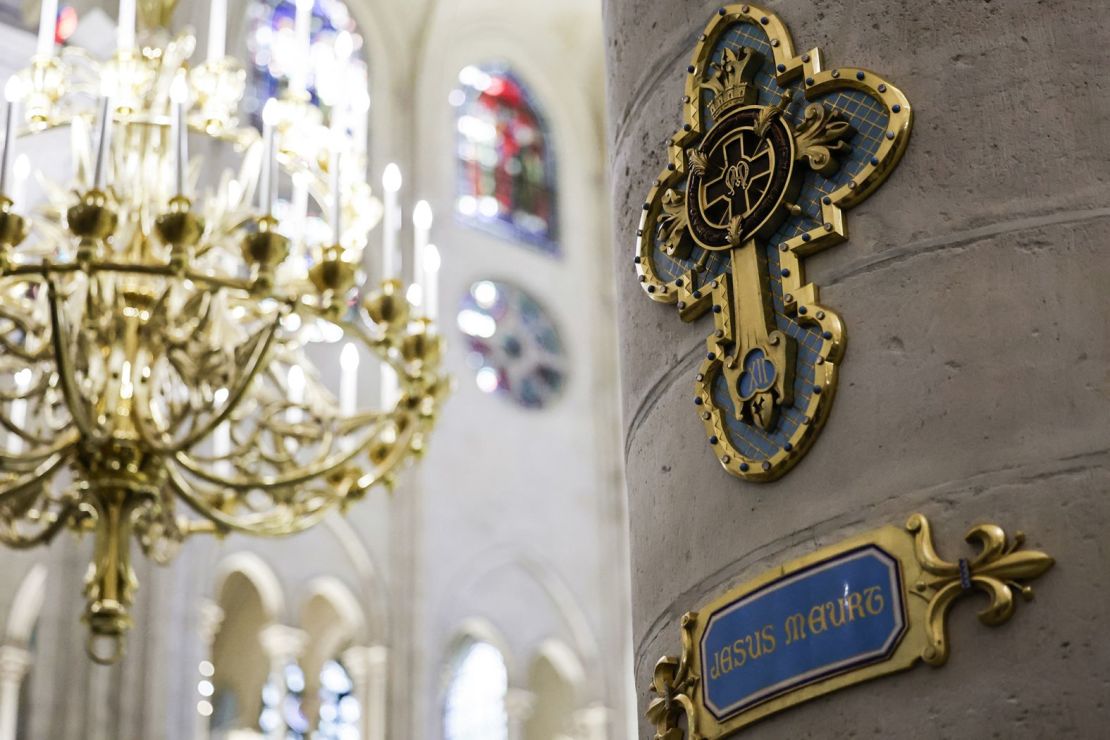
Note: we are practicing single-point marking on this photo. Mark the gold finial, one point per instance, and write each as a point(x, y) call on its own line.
point(156, 14)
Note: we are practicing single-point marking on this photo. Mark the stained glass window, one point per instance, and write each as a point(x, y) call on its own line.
point(506, 174)
point(337, 72)
point(283, 711)
point(339, 709)
point(476, 696)
point(513, 345)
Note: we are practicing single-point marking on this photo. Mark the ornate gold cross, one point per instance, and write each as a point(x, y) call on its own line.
point(773, 149)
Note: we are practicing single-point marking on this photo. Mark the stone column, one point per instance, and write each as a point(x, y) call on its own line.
point(210, 617)
point(14, 662)
point(974, 386)
point(368, 667)
point(519, 705)
point(283, 645)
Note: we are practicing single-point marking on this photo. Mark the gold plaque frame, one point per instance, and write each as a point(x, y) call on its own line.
point(819, 139)
point(930, 586)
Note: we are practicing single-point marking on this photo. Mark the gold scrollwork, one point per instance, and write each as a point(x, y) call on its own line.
point(998, 569)
point(674, 683)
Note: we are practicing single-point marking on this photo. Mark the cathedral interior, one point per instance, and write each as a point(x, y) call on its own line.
point(465, 369)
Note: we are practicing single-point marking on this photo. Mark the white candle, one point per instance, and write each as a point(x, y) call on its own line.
point(295, 389)
point(422, 229)
point(19, 407)
point(348, 379)
point(13, 93)
point(431, 282)
point(360, 106)
point(22, 171)
point(125, 31)
point(299, 209)
point(269, 158)
point(391, 221)
point(336, 196)
point(179, 131)
point(217, 31)
point(48, 28)
point(100, 172)
point(302, 32)
point(389, 388)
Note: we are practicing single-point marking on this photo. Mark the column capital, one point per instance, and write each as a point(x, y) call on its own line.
point(592, 722)
point(14, 662)
point(519, 704)
point(282, 643)
point(210, 617)
point(361, 659)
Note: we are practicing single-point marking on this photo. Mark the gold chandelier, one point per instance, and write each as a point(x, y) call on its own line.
point(155, 378)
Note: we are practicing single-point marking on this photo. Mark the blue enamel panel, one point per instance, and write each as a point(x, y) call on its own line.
point(869, 120)
point(839, 614)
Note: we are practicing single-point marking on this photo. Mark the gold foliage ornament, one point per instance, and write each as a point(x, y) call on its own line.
point(773, 149)
point(724, 679)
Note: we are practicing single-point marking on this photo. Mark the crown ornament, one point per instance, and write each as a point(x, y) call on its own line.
point(730, 80)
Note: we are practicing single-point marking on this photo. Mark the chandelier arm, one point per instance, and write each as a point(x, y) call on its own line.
point(254, 363)
point(177, 339)
point(219, 281)
point(264, 525)
point(14, 349)
point(36, 478)
point(42, 269)
point(46, 534)
point(38, 390)
point(74, 399)
point(293, 478)
point(69, 439)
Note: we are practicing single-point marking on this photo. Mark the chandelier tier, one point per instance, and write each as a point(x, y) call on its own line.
point(157, 333)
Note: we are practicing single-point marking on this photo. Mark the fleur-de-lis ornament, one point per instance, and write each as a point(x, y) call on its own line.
point(1000, 568)
point(772, 150)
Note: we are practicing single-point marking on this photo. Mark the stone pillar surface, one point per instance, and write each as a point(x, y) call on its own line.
point(368, 667)
point(975, 387)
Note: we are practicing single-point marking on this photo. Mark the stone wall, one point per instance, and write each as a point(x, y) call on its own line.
point(975, 385)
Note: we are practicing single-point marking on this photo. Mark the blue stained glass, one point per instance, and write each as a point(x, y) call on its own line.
point(513, 344)
point(335, 58)
point(506, 173)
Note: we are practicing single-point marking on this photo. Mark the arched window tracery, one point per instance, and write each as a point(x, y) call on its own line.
point(475, 706)
point(505, 164)
point(336, 74)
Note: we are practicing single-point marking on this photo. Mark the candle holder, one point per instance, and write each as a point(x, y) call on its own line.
point(13, 230)
point(92, 221)
point(181, 229)
point(127, 75)
point(333, 277)
point(264, 249)
point(45, 84)
point(387, 306)
point(217, 88)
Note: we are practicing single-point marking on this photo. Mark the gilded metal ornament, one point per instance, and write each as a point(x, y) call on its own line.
point(155, 377)
point(866, 607)
point(773, 149)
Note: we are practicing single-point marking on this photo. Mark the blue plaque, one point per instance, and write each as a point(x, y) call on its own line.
point(828, 620)
point(833, 616)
